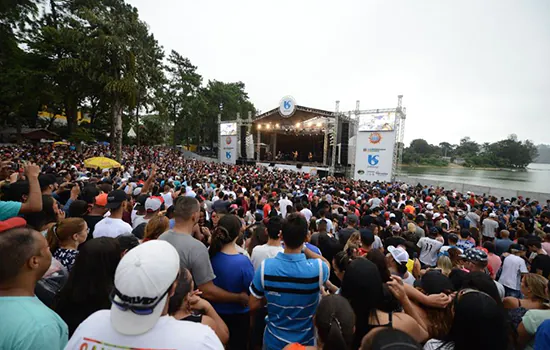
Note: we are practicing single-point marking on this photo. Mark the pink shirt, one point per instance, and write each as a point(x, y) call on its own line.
point(495, 262)
point(546, 247)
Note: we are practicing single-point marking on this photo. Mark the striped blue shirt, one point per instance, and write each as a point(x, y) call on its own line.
point(290, 283)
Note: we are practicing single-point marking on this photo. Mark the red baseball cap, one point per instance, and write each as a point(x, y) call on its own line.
point(101, 200)
point(12, 223)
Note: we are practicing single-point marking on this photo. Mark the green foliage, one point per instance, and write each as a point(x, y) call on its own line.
point(97, 57)
point(508, 153)
point(81, 134)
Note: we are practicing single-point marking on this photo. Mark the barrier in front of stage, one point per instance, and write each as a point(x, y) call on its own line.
point(313, 170)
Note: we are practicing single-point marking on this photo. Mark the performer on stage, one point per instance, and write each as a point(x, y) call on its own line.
point(279, 156)
point(269, 155)
point(310, 157)
point(295, 155)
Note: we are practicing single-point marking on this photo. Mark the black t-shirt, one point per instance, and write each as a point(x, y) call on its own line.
point(91, 220)
point(542, 263)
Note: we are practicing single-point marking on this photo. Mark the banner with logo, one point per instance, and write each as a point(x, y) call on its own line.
point(374, 155)
point(228, 149)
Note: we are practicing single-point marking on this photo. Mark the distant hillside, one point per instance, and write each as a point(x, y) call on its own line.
point(544, 154)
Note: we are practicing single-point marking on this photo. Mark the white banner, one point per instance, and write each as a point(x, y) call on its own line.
point(374, 155)
point(228, 149)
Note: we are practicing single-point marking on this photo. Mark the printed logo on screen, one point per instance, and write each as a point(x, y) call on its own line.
point(360, 172)
point(228, 140)
point(373, 159)
point(287, 106)
point(375, 138)
point(228, 155)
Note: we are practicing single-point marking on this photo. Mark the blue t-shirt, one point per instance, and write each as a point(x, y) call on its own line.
point(9, 209)
point(542, 337)
point(26, 323)
point(291, 285)
point(233, 274)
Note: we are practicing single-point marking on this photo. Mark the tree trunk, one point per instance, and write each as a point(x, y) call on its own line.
point(137, 124)
point(71, 107)
point(18, 127)
point(117, 124)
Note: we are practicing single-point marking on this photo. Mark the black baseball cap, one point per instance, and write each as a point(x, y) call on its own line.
point(115, 199)
point(434, 282)
point(46, 179)
point(140, 200)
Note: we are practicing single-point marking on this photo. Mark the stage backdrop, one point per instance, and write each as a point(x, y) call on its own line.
point(228, 151)
point(374, 155)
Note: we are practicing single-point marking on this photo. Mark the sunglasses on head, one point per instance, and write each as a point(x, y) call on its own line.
point(136, 309)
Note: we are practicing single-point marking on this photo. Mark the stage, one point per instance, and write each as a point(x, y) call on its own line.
point(308, 168)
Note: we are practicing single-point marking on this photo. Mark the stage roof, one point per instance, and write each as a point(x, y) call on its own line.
point(301, 115)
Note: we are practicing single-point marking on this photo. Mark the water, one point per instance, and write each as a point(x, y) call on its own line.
point(535, 179)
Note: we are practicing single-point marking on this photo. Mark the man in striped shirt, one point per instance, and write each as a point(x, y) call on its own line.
point(291, 284)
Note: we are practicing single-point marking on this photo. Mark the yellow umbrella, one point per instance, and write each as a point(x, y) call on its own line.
point(101, 162)
point(60, 143)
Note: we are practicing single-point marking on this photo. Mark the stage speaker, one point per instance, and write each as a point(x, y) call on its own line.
point(299, 166)
point(271, 164)
point(322, 173)
point(243, 141)
point(344, 144)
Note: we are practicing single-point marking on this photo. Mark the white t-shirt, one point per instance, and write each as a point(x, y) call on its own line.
point(329, 224)
point(489, 228)
point(307, 214)
point(512, 268)
point(168, 199)
point(109, 227)
point(168, 333)
point(283, 203)
point(374, 202)
point(262, 252)
point(139, 219)
point(429, 248)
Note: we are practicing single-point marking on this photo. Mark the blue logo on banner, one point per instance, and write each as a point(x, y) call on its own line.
point(228, 155)
point(287, 104)
point(373, 159)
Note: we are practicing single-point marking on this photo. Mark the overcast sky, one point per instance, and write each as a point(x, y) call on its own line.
point(466, 68)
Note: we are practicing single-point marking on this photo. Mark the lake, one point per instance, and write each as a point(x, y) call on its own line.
point(535, 179)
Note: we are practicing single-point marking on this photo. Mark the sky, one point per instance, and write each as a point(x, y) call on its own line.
point(466, 68)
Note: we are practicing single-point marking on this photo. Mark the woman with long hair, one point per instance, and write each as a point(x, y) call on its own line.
point(334, 321)
point(187, 305)
point(533, 288)
point(479, 323)
point(444, 265)
point(65, 237)
point(362, 286)
point(156, 227)
point(234, 273)
point(90, 282)
point(41, 221)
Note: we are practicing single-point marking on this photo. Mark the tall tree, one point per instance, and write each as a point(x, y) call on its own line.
point(180, 91)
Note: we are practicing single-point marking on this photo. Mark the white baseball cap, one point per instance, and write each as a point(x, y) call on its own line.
point(429, 206)
point(152, 204)
point(399, 254)
point(142, 282)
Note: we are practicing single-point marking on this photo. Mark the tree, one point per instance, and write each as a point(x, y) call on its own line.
point(421, 147)
point(226, 99)
point(182, 87)
point(446, 148)
point(467, 147)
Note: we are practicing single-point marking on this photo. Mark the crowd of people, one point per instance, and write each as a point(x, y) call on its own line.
point(172, 253)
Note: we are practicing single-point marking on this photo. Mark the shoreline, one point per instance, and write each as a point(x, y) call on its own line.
point(456, 166)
